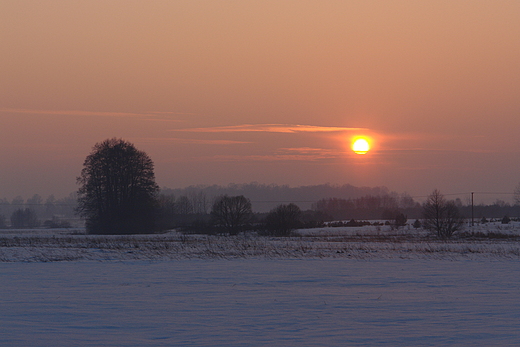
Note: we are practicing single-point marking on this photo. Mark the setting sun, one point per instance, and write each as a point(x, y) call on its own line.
point(360, 145)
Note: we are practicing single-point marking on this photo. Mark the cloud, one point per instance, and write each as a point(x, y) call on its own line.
point(272, 128)
point(437, 150)
point(303, 149)
point(188, 141)
point(281, 154)
point(308, 152)
point(149, 115)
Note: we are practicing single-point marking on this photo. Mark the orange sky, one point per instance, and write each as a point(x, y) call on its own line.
point(266, 91)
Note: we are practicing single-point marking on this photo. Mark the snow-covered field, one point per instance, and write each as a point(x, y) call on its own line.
point(326, 288)
point(369, 242)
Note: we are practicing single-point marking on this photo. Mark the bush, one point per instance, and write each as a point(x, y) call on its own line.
point(400, 220)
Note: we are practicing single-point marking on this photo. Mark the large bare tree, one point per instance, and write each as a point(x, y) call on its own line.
point(231, 213)
point(441, 216)
point(118, 189)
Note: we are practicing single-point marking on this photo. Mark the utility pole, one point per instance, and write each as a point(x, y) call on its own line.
point(472, 220)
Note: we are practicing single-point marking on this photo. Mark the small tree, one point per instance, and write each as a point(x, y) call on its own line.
point(118, 189)
point(283, 219)
point(400, 220)
point(231, 213)
point(441, 216)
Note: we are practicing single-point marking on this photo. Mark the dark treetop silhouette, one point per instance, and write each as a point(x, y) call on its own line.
point(118, 189)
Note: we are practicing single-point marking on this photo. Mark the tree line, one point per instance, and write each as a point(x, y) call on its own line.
point(385, 206)
point(118, 195)
point(265, 196)
point(36, 211)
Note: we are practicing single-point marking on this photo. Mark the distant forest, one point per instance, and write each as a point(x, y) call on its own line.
point(36, 211)
point(266, 197)
point(325, 202)
point(340, 202)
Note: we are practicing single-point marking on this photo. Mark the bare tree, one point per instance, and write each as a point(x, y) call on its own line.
point(231, 213)
point(283, 219)
point(441, 216)
point(516, 194)
point(118, 189)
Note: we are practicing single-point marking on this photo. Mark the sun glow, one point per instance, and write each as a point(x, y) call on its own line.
point(360, 145)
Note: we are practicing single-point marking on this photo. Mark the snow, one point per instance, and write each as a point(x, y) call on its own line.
point(78, 290)
point(261, 302)
point(359, 243)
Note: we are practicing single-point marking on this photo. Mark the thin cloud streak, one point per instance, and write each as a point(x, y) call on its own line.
point(265, 158)
point(189, 141)
point(309, 153)
point(281, 154)
point(272, 128)
point(401, 150)
point(94, 113)
point(301, 154)
point(307, 150)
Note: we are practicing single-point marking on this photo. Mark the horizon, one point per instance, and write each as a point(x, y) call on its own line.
point(480, 198)
point(273, 92)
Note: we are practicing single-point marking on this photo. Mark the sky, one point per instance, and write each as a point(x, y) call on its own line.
point(220, 92)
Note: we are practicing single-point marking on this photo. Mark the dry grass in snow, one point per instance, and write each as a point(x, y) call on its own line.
point(356, 243)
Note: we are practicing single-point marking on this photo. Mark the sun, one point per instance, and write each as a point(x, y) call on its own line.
point(360, 145)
